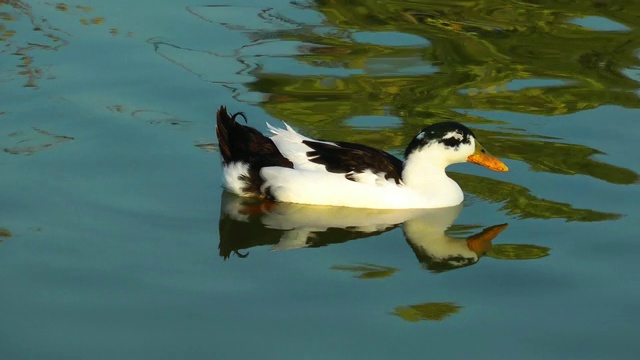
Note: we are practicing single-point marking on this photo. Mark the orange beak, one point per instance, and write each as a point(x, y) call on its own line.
point(482, 157)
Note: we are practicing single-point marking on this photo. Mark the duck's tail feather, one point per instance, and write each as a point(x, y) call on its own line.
point(238, 142)
point(227, 129)
point(244, 144)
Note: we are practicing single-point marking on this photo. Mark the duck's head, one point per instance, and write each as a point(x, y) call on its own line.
point(450, 142)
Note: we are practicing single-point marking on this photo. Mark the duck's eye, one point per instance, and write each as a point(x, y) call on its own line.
point(483, 151)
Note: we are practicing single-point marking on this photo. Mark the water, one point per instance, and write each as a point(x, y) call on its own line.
point(117, 241)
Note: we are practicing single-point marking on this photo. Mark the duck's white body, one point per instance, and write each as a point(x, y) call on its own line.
point(290, 167)
point(324, 188)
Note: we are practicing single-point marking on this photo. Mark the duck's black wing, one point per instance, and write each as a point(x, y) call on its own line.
point(349, 158)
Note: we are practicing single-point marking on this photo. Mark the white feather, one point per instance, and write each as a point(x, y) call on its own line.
point(290, 145)
point(368, 177)
point(231, 174)
point(453, 134)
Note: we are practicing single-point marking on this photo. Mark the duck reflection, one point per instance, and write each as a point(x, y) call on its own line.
point(246, 223)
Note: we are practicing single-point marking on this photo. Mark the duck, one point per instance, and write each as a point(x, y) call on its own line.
point(290, 167)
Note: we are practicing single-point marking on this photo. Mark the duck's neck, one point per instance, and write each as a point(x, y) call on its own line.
point(425, 174)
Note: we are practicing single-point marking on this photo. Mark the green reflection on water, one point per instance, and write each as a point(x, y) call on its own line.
point(518, 252)
point(502, 56)
point(367, 271)
point(4, 233)
point(518, 200)
point(434, 311)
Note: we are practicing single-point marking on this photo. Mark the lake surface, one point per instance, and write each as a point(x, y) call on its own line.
point(117, 241)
